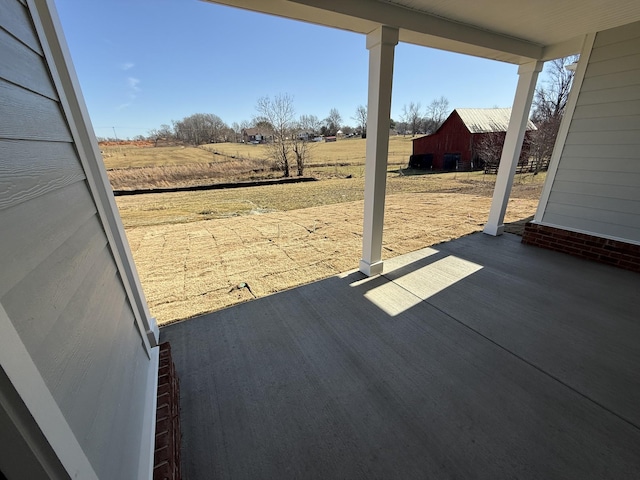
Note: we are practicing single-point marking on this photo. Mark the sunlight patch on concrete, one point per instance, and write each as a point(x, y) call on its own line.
point(398, 295)
point(392, 299)
point(437, 276)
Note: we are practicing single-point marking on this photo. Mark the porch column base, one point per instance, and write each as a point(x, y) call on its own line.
point(494, 230)
point(371, 269)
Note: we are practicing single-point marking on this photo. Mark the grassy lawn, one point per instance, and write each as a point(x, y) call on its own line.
point(185, 207)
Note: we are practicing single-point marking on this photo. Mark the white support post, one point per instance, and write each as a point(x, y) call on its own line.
point(381, 45)
point(528, 75)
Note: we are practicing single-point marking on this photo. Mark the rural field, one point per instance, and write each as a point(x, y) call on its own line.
point(205, 250)
point(131, 167)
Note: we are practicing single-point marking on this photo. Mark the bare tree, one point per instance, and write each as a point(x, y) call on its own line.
point(361, 118)
point(237, 132)
point(200, 128)
point(279, 114)
point(347, 129)
point(488, 150)
point(311, 124)
point(551, 98)
point(301, 140)
point(219, 129)
point(332, 122)
point(437, 112)
point(165, 132)
point(411, 116)
point(549, 104)
point(402, 127)
point(153, 136)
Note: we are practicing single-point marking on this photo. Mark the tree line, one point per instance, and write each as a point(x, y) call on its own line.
point(203, 128)
point(288, 135)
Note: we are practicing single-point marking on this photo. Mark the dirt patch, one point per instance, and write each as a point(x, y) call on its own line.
point(191, 268)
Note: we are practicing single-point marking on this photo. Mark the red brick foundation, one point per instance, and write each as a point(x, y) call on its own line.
point(603, 250)
point(167, 450)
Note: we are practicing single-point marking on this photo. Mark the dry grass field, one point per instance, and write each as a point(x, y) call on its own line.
point(205, 250)
point(186, 207)
point(349, 151)
point(134, 167)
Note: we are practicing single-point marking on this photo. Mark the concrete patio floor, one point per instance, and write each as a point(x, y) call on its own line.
point(477, 358)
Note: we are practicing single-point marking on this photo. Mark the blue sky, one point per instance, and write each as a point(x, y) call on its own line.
point(142, 63)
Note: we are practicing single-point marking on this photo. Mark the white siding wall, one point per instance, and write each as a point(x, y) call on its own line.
point(59, 282)
point(597, 185)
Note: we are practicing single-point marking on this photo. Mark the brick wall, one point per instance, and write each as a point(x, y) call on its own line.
point(612, 252)
point(167, 450)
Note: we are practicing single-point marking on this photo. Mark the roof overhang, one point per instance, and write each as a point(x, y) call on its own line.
point(491, 36)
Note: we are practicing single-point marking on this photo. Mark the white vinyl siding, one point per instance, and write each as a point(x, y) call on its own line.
point(597, 185)
point(59, 282)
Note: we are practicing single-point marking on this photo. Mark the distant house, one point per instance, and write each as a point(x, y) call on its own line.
point(468, 139)
point(254, 135)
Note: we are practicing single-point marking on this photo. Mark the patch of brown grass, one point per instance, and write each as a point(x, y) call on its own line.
point(156, 167)
point(229, 170)
point(187, 207)
point(130, 156)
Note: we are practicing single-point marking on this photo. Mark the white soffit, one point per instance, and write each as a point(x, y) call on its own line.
point(545, 22)
point(513, 31)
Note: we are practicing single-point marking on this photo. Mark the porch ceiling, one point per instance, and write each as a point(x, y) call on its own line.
point(480, 358)
point(514, 31)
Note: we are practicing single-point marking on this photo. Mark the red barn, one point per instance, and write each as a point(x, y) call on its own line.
point(467, 139)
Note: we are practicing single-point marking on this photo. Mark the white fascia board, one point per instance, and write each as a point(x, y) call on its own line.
point(439, 43)
point(364, 16)
point(564, 49)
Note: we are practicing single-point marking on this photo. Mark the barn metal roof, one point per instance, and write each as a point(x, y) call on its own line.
point(485, 120)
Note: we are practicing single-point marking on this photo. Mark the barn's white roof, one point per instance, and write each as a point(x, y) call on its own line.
point(485, 120)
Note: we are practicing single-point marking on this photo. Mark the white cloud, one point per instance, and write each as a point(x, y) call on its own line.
point(133, 84)
point(127, 66)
